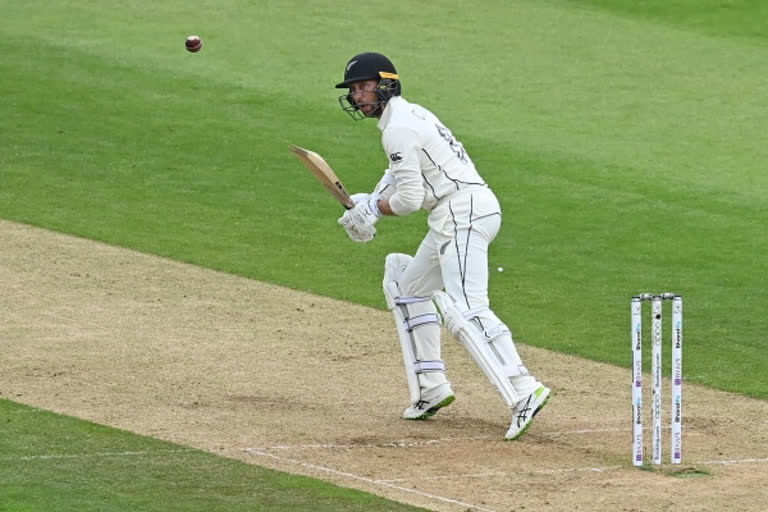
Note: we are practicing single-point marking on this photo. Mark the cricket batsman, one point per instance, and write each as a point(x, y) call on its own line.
point(430, 169)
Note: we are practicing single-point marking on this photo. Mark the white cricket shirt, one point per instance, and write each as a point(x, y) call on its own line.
point(430, 167)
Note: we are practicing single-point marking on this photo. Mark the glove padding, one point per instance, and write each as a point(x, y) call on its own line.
point(359, 221)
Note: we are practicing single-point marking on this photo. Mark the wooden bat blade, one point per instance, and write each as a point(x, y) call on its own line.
point(324, 173)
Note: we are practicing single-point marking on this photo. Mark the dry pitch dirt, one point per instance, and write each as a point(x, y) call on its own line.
point(310, 385)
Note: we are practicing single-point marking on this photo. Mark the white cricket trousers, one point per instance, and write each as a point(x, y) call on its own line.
point(456, 259)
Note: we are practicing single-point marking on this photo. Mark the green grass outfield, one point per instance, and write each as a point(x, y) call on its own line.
point(626, 140)
point(50, 462)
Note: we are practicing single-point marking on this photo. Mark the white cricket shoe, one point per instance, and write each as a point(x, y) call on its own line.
point(525, 410)
point(427, 407)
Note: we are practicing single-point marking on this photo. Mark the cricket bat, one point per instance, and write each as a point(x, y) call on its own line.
point(323, 172)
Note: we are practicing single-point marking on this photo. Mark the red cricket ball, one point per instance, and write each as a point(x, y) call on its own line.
point(194, 43)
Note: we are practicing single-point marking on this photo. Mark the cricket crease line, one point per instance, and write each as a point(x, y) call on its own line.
point(382, 444)
point(690, 431)
point(602, 469)
point(373, 481)
point(88, 455)
point(736, 461)
point(429, 442)
point(482, 474)
point(505, 474)
point(28, 411)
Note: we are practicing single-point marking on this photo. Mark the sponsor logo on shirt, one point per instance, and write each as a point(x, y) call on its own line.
point(396, 157)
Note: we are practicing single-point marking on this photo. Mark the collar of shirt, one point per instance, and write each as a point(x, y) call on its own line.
point(387, 114)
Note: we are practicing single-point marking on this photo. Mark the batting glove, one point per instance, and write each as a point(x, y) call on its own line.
point(359, 221)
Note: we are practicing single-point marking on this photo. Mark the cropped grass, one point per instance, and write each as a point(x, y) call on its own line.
point(628, 153)
point(53, 462)
point(626, 142)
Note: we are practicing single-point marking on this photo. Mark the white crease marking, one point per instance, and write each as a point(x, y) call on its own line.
point(90, 455)
point(368, 480)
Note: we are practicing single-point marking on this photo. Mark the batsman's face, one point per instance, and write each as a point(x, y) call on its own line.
point(364, 94)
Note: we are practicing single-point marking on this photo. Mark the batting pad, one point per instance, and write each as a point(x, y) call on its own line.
point(495, 365)
point(418, 328)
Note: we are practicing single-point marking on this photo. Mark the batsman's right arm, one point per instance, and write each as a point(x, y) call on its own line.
point(386, 186)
